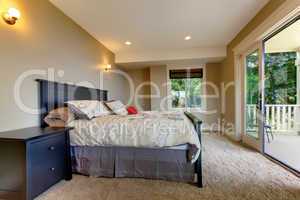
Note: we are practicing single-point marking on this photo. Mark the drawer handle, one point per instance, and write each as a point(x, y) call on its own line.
point(52, 169)
point(52, 148)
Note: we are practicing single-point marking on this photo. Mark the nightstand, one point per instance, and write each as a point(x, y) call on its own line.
point(32, 160)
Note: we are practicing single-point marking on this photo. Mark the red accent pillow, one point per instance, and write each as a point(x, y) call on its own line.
point(132, 110)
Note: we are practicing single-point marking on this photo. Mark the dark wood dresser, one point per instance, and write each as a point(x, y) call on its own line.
point(32, 160)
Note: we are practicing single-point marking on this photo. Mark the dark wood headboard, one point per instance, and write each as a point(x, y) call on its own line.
point(54, 95)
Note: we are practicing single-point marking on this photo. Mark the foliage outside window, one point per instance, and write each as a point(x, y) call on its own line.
point(186, 91)
point(280, 83)
point(252, 84)
point(252, 92)
point(281, 78)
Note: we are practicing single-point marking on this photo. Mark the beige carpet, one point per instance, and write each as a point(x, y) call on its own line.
point(230, 172)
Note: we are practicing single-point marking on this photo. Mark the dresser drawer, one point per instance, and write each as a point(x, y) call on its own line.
point(47, 163)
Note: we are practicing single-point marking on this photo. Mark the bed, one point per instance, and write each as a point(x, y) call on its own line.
point(172, 163)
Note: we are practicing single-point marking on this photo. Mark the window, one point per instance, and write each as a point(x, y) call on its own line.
point(186, 88)
point(252, 93)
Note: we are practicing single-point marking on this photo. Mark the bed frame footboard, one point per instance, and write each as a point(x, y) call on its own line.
point(198, 165)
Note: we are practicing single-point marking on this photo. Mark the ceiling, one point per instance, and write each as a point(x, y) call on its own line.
point(177, 62)
point(286, 40)
point(158, 27)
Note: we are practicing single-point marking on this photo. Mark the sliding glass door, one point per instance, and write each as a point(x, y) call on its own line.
point(282, 95)
point(271, 88)
point(252, 94)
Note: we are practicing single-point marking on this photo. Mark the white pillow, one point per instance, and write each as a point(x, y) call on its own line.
point(89, 108)
point(117, 107)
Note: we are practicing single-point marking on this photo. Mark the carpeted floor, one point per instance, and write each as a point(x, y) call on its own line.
point(231, 172)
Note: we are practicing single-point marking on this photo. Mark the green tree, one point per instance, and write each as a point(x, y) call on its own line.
point(252, 78)
point(177, 85)
point(280, 78)
point(191, 87)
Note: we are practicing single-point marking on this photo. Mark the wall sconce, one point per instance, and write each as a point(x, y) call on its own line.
point(107, 68)
point(11, 16)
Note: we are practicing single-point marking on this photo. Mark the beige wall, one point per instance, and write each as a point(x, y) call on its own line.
point(45, 38)
point(213, 100)
point(158, 76)
point(227, 72)
point(141, 80)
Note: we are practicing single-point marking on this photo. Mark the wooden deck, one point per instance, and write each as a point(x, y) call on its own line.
point(285, 148)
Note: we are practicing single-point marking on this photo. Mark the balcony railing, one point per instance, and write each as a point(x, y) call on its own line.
point(282, 118)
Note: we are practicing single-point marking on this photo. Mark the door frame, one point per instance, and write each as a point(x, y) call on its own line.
point(278, 30)
point(287, 11)
point(247, 139)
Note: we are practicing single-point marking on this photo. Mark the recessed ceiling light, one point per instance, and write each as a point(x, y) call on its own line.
point(128, 43)
point(188, 37)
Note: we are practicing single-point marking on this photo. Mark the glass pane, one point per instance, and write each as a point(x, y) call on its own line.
point(252, 93)
point(194, 92)
point(178, 93)
point(280, 75)
point(282, 96)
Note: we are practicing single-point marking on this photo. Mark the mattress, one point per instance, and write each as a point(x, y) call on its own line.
point(166, 130)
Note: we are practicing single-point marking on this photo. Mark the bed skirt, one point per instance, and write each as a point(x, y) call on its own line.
point(121, 162)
